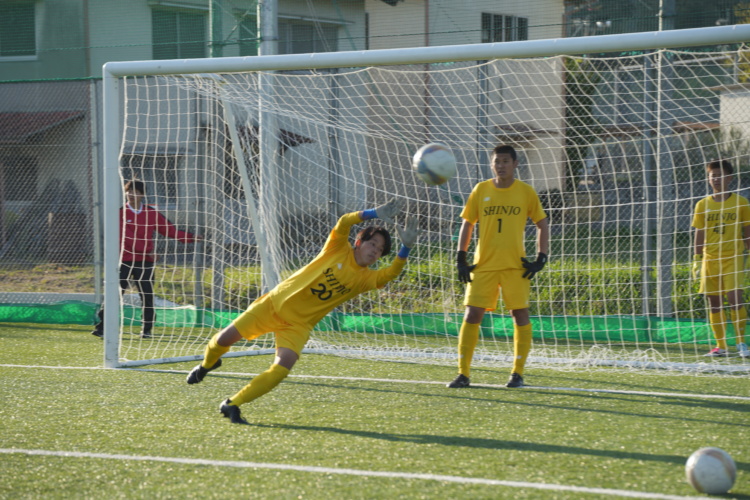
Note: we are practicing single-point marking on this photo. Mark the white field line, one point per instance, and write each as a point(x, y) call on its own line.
point(348, 472)
point(419, 382)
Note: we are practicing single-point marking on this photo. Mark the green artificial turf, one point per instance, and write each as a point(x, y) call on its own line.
point(125, 431)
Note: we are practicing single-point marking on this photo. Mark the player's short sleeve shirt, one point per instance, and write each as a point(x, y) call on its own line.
point(331, 278)
point(502, 214)
point(723, 222)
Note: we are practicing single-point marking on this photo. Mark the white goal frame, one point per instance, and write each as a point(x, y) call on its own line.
point(112, 133)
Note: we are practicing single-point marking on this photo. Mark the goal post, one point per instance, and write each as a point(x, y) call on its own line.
point(615, 145)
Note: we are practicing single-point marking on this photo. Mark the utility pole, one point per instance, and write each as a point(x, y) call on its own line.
point(667, 15)
point(665, 175)
point(268, 28)
point(217, 37)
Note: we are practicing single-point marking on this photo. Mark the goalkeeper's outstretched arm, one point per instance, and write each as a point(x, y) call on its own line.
point(384, 212)
point(408, 236)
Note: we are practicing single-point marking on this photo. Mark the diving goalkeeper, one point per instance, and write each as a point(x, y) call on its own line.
point(337, 274)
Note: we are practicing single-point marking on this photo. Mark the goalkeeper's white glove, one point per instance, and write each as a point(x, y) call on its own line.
point(388, 211)
point(697, 263)
point(410, 232)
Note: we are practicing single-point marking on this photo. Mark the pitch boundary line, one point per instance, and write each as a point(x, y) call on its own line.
point(347, 472)
point(416, 382)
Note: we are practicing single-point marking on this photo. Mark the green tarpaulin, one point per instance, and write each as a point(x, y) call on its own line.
point(609, 329)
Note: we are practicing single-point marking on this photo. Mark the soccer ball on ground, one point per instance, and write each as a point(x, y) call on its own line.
point(711, 470)
point(434, 163)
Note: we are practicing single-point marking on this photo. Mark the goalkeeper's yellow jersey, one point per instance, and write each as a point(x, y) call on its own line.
point(723, 222)
point(331, 278)
point(502, 214)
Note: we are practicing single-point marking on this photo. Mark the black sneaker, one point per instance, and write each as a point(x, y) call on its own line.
point(98, 333)
point(197, 374)
point(232, 412)
point(145, 335)
point(460, 381)
point(515, 380)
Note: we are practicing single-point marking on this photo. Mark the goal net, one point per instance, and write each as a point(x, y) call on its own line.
point(262, 164)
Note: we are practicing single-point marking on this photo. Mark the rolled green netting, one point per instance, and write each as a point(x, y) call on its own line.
point(608, 329)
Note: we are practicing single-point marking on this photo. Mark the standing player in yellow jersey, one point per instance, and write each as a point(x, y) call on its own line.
point(502, 207)
point(722, 235)
point(337, 274)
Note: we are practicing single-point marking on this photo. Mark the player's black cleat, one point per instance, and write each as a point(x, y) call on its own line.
point(145, 335)
point(515, 380)
point(98, 333)
point(460, 381)
point(197, 374)
point(232, 412)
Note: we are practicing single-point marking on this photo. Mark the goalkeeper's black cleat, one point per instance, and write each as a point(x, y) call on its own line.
point(460, 381)
point(515, 380)
point(98, 333)
point(232, 412)
point(198, 373)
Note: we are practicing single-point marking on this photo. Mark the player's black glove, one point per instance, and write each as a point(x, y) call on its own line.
point(533, 266)
point(464, 269)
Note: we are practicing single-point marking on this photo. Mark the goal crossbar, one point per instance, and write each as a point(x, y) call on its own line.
point(692, 37)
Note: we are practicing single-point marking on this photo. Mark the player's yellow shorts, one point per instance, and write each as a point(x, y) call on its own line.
point(261, 318)
point(485, 288)
point(720, 275)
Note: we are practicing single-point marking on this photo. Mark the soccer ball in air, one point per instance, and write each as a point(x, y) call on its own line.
point(434, 163)
point(711, 470)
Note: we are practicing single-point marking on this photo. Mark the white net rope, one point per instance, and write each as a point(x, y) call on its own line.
point(616, 148)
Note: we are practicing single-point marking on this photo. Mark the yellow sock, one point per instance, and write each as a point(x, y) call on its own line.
point(521, 347)
point(213, 352)
point(260, 385)
point(719, 327)
point(739, 320)
point(467, 342)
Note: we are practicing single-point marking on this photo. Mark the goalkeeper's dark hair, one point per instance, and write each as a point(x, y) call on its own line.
point(722, 165)
point(505, 150)
point(370, 231)
point(136, 185)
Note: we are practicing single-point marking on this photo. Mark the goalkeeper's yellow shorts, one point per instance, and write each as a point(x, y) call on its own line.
point(720, 275)
point(261, 318)
point(485, 289)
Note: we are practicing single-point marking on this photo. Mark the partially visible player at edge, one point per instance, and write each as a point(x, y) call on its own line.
point(502, 206)
point(722, 235)
point(337, 274)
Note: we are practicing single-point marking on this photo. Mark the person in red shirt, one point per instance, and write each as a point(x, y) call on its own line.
point(138, 222)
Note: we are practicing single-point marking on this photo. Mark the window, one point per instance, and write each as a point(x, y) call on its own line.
point(300, 37)
point(295, 36)
point(17, 30)
point(500, 28)
point(178, 34)
point(249, 38)
point(159, 173)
